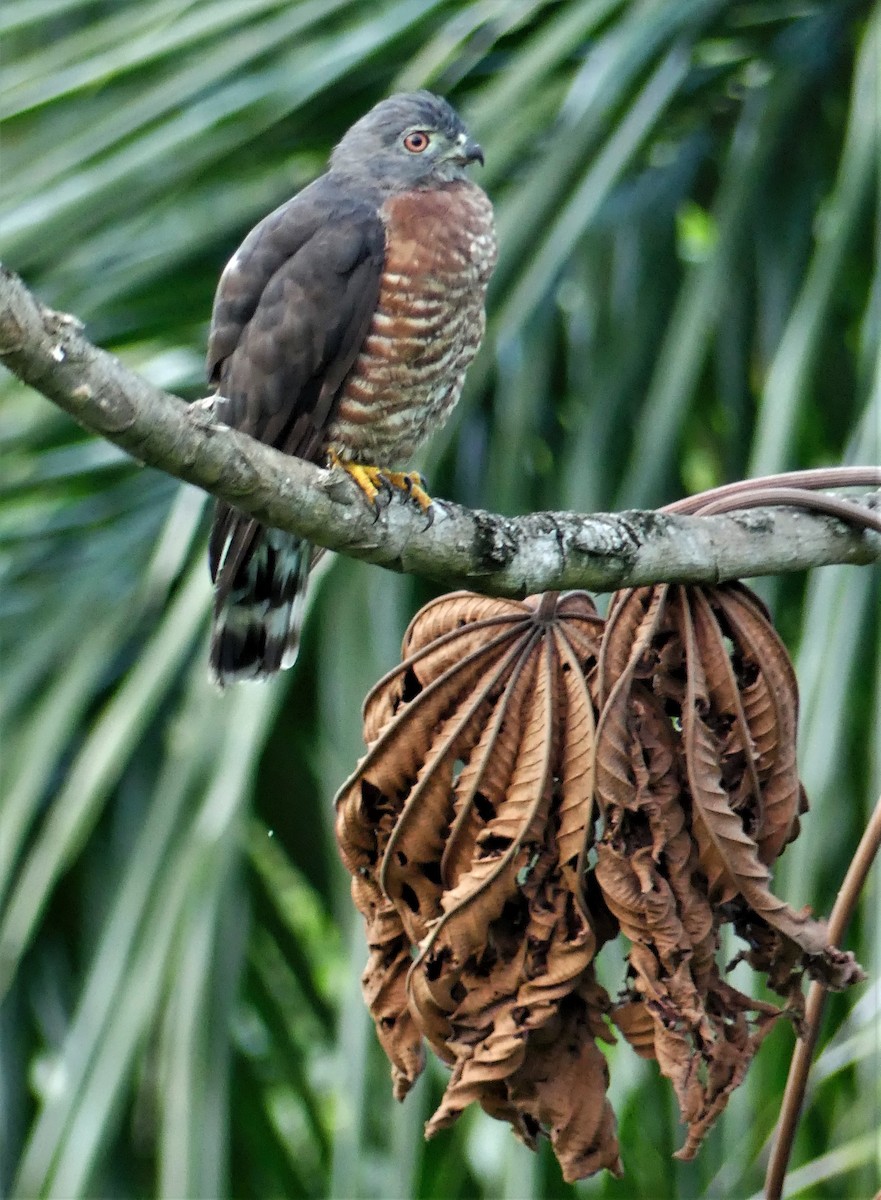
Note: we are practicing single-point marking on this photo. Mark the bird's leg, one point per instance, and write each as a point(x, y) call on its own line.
point(372, 479)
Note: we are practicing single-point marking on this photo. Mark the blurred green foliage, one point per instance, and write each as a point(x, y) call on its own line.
point(689, 290)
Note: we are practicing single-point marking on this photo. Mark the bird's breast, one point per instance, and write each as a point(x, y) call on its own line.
point(429, 320)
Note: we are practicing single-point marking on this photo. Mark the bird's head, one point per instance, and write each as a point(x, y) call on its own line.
point(413, 139)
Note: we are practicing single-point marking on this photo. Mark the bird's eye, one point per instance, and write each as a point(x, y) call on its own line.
point(417, 141)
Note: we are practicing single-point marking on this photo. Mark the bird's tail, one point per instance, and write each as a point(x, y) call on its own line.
point(260, 578)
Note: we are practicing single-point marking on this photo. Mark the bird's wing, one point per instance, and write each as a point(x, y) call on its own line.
point(292, 310)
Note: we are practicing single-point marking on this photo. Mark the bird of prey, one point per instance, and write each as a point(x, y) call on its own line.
point(341, 332)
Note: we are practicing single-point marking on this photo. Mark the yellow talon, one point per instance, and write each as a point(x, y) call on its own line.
point(368, 479)
point(372, 479)
point(412, 483)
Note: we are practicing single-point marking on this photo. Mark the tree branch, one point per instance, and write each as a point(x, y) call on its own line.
point(511, 556)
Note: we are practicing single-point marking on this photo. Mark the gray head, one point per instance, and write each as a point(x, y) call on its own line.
point(413, 139)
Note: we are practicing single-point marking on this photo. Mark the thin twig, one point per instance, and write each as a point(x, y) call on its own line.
point(812, 479)
point(763, 497)
point(793, 1097)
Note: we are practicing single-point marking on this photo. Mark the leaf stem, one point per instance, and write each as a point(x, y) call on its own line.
point(796, 1083)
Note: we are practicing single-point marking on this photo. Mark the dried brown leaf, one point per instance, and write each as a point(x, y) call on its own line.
point(725, 704)
point(635, 1022)
point(547, 1075)
point(562, 1087)
point(409, 872)
point(443, 634)
point(463, 612)
point(478, 775)
point(578, 736)
point(402, 715)
point(579, 623)
point(696, 778)
point(633, 619)
point(466, 825)
point(770, 699)
point(384, 983)
point(729, 856)
point(505, 844)
point(486, 776)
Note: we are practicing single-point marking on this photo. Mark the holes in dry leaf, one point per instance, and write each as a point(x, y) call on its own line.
point(410, 686)
point(435, 964)
point(538, 955)
point(401, 857)
point(573, 918)
point(533, 1127)
point(372, 800)
point(632, 833)
point(735, 780)
point(514, 917)
point(432, 872)
point(490, 844)
point(482, 964)
point(748, 671)
point(484, 807)
point(396, 947)
point(410, 898)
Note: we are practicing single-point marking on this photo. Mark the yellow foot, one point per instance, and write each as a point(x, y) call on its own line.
point(412, 483)
point(372, 480)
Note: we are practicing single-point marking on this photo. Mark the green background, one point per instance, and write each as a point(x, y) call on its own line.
point(689, 291)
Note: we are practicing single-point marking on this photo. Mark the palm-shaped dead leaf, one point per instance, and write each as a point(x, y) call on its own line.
point(697, 782)
point(465, 827)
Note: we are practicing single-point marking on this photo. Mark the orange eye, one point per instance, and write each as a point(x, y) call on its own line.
point(416, 142)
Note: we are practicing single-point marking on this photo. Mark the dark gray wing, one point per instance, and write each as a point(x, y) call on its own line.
point(291, 313)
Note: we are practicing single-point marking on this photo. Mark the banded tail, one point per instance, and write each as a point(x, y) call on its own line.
point(260, 577)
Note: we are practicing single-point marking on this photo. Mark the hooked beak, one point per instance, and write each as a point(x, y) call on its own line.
point(472, 152)
point(467, 151)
